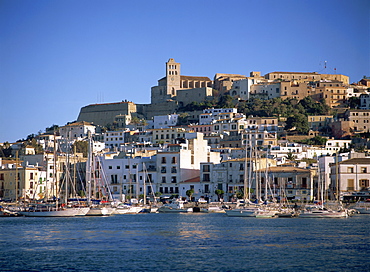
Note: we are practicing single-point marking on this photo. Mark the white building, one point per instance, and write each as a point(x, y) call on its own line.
point(129, 177)
point(210, 115)
point(350, 175)
point(181, 162)
point(168, 170)
point(76, 130)
point(165, 121)
point(365, 101)
point(333, 146)
point(114, 139)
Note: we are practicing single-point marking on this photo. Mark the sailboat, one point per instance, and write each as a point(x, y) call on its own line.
point(55, 209)
point(320, 211)
point(245, 208)
point(98, 207)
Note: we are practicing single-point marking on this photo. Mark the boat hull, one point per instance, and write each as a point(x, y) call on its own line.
point(56, 213)
point(171, 210)
point(100, 211)
point(324, 214)
point(241, 212)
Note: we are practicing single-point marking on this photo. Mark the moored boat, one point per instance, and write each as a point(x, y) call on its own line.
point(323, 213)
point(44, 210)
point(247, 211)
point(176, 206)
point(362, 207)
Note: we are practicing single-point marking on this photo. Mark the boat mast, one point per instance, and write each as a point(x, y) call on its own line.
point(337, 176)
point(144, 185)
point(266, 175)
point(16, 177)
point(245, 172)
point(88, 170)
point(137, 181)
point(55, 174)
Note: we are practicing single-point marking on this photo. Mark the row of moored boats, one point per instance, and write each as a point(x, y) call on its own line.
point(177, 206)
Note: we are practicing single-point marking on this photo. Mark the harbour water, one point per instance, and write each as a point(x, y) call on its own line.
point(184, 242)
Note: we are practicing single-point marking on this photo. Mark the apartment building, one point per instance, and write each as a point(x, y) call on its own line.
point(350, 175)
point(167, 135)
point(128, 176)
point(19, 183)
point(333, 92)
point(261, 131)
point(291, 182)
point(76, 130)
point(318, 122)
point(166, 171)
point(114, 139)
point(359, 120)
point(231, 176)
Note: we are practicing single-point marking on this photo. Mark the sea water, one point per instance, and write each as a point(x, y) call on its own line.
point(184, 242)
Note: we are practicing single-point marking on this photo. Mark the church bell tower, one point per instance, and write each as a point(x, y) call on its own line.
point(173, 77)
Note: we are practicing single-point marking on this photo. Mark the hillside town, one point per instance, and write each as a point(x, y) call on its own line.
point(284, 135)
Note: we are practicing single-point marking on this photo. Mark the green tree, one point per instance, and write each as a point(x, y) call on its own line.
point(81, 147)
point(225, 101)
point(298, 123)
point(183, 118)
point(219, 193)
point(190, 193)
point(290, 157)
point(354, 102)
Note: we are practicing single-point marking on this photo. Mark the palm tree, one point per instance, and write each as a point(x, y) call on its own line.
point(290, 156)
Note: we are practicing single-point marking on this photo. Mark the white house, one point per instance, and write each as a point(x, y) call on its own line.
point(76, 130)
point(165, 121)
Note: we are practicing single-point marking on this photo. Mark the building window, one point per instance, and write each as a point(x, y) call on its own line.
point(364, 183)
point(363, 170)
point(206, 168)
point(163, 159)
point(163, 179)
point(350, 170)
point(206, 177)
point(350, 185)
point(173, 159)
point(114, 179)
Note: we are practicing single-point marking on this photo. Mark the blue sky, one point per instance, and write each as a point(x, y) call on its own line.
point(58, 56)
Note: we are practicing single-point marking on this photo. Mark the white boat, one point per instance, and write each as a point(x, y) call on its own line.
point(215, 209)
point(176, 206)
point(100, 210)
point(123, 208)
point(266, 213)
point(323, 213)
point(248, 211)
point(52, 211)
point(4, 212)
point(362, 207)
